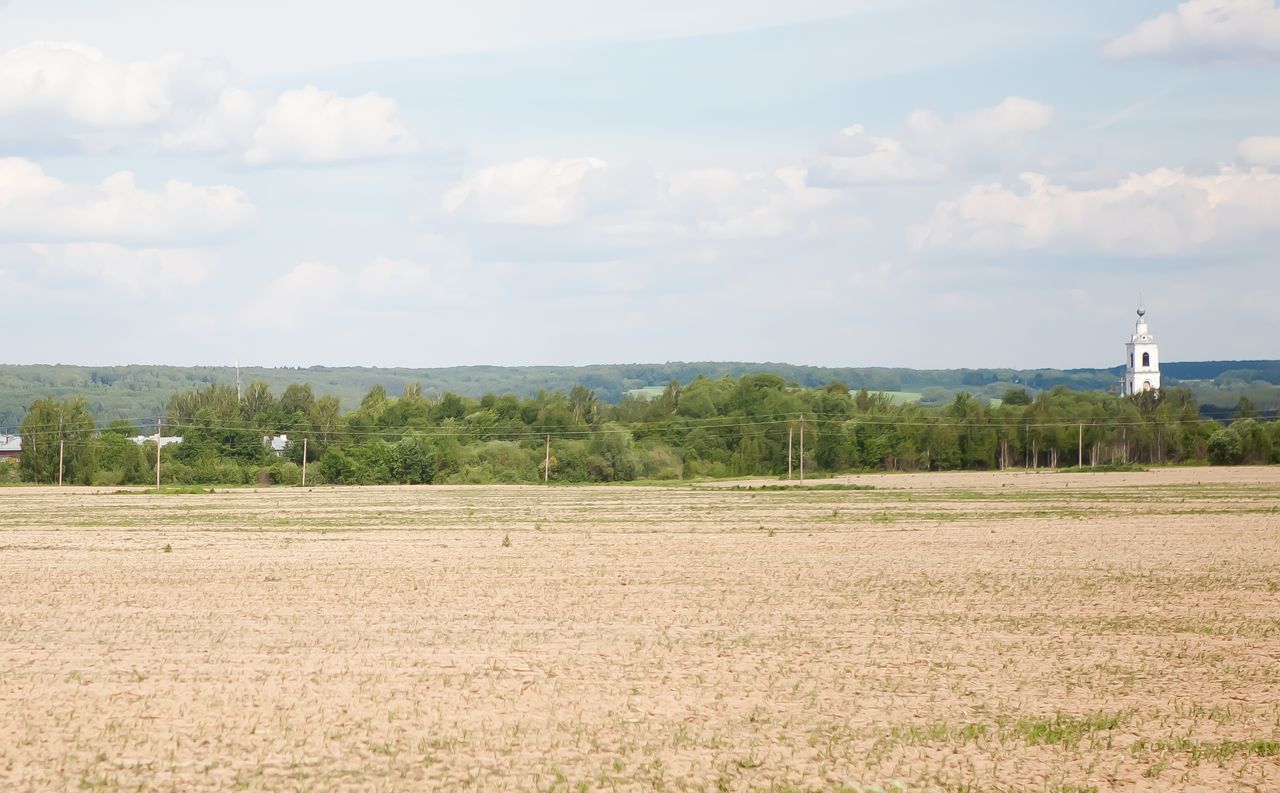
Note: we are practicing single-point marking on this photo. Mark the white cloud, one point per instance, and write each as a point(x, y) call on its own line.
point(36, 207)
point(1260, 150)
point(977, 136)
point(855, 157)
point(132, 273)
point(228, 124)
point(1162, 213)
point(726, 204)
point(310, 126)
point(932, 148)
point(1206, 30)
point(188, 104)
point(530, 192)
point(76, 84)
point(616, 200)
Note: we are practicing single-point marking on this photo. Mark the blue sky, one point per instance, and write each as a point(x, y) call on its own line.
point(908, 183)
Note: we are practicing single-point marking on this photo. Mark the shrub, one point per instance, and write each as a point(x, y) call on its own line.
point(107, 477)
point(1226, 447)
point(282, 473)
point(660, 462)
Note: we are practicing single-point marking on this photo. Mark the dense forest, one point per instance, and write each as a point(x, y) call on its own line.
point(752, 425)
point(114, 392)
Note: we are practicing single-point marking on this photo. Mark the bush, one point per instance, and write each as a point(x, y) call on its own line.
point(207, 471)
point(706, 469)
point(1226, 447)
point(501, 461)
point(413, 461)
point(282, 473)
point(9, 472)
point(660, 462)
point(107, 477)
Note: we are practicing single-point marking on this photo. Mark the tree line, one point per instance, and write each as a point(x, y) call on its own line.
point(747, 425)
point(130, 391)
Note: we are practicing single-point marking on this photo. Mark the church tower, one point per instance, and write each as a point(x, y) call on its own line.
point(1142, 369)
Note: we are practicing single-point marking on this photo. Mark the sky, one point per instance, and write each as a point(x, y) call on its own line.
point(916, 183)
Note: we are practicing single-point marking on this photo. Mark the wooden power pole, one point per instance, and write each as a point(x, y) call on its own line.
point(546, 462)
point(1080, 449)
point(159, 435)
point(802, 448)
point(304, 462)
point(790, 432)
point(61, 446)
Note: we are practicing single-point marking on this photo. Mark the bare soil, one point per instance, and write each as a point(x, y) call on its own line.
point(957, 632)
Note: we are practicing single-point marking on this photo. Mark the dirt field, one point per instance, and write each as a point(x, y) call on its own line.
point(961, 632)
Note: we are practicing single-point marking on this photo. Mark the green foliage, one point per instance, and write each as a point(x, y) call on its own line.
point(713, 427)
point(1016, 396)
point(413, 460)
point(57, 433)
point(135, 391)
point(1226, 447)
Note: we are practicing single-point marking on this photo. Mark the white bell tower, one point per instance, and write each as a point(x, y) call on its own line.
point(1142, 368)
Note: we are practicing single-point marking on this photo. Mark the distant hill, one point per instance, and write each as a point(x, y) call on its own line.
point(140, 392)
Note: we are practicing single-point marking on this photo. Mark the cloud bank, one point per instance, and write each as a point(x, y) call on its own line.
point(1165, 212)
point(35, 206)
point(932, 148)
point(189, 104)
point(1201, 31)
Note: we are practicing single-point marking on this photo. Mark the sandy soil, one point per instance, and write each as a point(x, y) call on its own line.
point(962, 632)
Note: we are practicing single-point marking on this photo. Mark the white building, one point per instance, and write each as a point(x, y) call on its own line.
point(1142, 368)
point(166, 440)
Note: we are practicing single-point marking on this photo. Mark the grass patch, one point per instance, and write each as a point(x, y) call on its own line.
point(1213, 751)
point(1064, 730)
point(172, 490)
point(1106, 468)
point(786, 488)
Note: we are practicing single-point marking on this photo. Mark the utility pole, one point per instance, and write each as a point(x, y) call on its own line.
point(159, 435)
point(304, 462)
point(546, 463)
point(61, 444)
point(790, 432)
point(237, 380)
point(802, 448)
point(1080, 449)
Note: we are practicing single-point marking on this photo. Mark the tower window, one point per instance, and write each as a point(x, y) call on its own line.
point(1146, 359)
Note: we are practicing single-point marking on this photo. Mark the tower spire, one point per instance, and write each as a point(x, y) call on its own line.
point(1142, 367)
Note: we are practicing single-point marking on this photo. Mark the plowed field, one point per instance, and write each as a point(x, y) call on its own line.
point(968, 632)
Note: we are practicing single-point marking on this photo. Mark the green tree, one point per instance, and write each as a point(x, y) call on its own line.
point(1225, 447)
point(1245, 409)
point(53, 427)
point(257, 399)
point(413, 460)
point(297, 399)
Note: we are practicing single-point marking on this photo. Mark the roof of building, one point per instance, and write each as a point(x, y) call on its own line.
point(10, 443)
point(166, 440)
